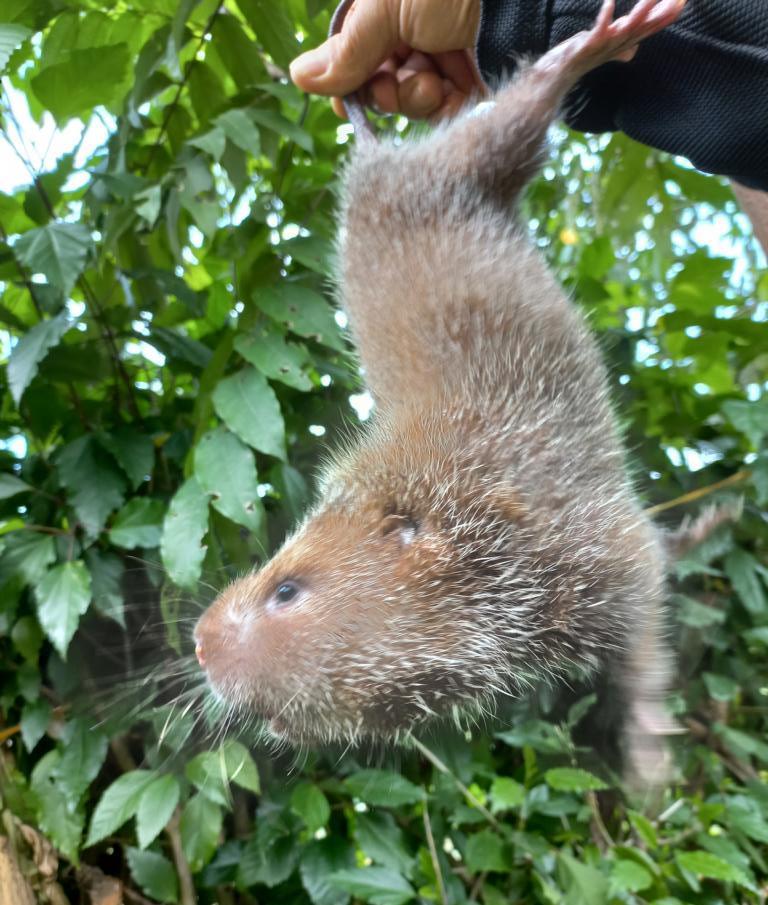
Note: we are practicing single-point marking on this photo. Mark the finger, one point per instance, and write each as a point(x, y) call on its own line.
point(382, 94)
point(458, 67)
point(421, 95)
point(347, 60)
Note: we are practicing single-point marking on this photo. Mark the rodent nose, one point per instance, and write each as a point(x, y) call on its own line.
point(199, 654)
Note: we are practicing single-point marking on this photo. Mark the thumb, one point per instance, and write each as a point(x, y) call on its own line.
point(347, 60)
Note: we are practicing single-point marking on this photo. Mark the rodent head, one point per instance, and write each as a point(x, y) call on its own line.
point(375, 614)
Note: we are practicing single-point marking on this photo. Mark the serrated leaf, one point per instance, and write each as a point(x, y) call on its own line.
point(35, 717)
point(134, 452)
point(704, 864)
point(377, 885)
point(28, 555)
point(240, 766)
point(118, 803)
point(31, 349)
point(302, 311)
point(584, 884)
point(741, 568)
point(156, 806)
point(274, 29)
point(207, 772)
point(95, 486)
point(57, 250)
point(84, 79)
point(486, 852)
point(319, 861)
point(60, 822)
point(247, 404)
point(383, 788)
point(238, 127)
point(212, 142)
point(138, 524)
point(84, 747)
point(627, 876)
point(506, 793)
point(379, 836)
point(62, 598)
point(309, 803)
point(234, 489)
point(268, 862)
point(573, 779)
point(283, 127)
point(154, 874)
point(10, 486)
point(106, 576)
point(201, 822)
point(266, 349)
point(184, 528)
point(11, 37)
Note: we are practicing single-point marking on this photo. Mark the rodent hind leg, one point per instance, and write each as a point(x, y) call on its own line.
point(500, 151)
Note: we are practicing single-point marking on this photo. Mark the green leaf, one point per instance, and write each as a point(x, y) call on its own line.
point(266, 349)
point(106, 576)
point(28, 555)
point(60, 822)
point(274, 29)
point(383, 788)
point(184, 528)
point(284, 128)
point(240, 766)
point(201, 822)
point(750, 418)
point(35, 717)
point(84, 748)
point(212, 142)
point(27, 638)
point(379, 836)
point(741, 568)
point(57, 250)
point(62, 598)
point(377, 885)
point(234, 489)
point(628, 876)
point(309, 803)
point(118, 803)
point(506, 793)
point(86, 78)
point(584, 884)
point(573, 779)
point(10, 486)
point(238, 127)
point(269, 862)
point(207, 772)
point(95, 487)
point(11, 37)
point(486, 852)
point(138, 524)
point(134, 452)
point(156, 806)
point(704, 864)
point(31, 349)
point(246, 403)
point(721, 688)
point(319, 861)
point(154, 874)
point(302, 311)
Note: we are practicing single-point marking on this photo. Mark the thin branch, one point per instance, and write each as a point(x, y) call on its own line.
point(186, 884)
point(433, 854)
point(443, 768)
point(736, 478)
point(171, 108)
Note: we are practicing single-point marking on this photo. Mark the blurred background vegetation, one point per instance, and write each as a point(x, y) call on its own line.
point(173, 370)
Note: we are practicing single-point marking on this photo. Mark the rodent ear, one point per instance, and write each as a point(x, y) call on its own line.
point(404, 527)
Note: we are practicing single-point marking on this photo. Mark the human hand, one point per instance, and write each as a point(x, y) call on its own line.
point(404, 56)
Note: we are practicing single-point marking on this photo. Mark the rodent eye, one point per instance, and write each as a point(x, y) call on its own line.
point(406, 527)
point(286, 592)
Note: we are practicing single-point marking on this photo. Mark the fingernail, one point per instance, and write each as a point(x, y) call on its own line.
point(310, 65)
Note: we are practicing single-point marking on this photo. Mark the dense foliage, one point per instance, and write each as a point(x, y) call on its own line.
point(173, 372)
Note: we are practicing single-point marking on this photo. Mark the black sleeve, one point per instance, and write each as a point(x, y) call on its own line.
point(699, 88)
